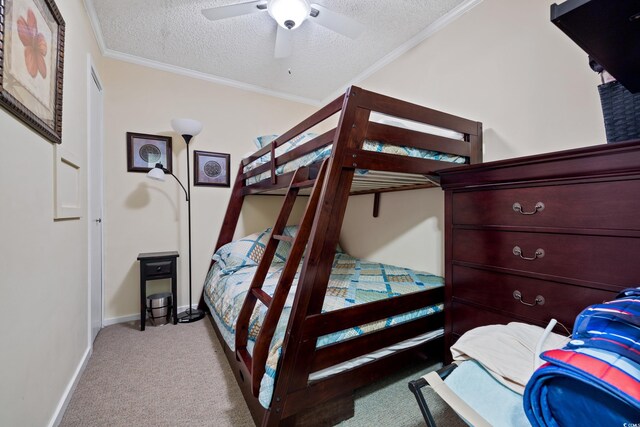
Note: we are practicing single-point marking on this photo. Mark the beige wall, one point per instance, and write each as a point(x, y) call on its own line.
point(148, 216)
point(43, 263)
point(504, 64)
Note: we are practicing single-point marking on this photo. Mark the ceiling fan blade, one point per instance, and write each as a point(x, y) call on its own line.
point(284, 43)
point(229, 11)
point(337, 22)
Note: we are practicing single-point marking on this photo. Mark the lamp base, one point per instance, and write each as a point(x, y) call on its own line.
point(190, 315)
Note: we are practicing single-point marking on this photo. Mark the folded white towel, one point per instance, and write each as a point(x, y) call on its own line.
point(507, 352)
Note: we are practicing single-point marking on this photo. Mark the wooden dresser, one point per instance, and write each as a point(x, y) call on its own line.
point(538, 237)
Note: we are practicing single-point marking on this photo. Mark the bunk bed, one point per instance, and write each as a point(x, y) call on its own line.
point(277, 342)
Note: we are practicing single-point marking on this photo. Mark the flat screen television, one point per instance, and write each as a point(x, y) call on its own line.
point(609, 31)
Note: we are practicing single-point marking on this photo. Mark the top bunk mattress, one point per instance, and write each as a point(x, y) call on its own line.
point(368, 145)
point(353, 281)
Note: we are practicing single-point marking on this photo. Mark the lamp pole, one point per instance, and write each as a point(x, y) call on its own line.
point(189, 315)
point(187, 128)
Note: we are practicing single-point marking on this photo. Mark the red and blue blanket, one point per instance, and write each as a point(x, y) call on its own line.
point(595, 379)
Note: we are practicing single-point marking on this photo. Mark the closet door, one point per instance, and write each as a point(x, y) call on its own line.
point(95, 208)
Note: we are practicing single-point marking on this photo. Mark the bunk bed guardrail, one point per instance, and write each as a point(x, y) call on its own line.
point(367, 102)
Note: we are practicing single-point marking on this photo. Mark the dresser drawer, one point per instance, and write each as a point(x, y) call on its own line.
point(158, 268)
point(601, 259)
point(496, 290)
point(587, 205)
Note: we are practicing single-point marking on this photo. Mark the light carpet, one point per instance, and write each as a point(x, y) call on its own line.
point(178, 375)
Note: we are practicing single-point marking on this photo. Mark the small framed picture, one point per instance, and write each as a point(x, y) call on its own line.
point(211, 169)
point(144, 151)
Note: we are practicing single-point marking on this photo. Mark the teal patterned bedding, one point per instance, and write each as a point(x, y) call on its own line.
point(324, 152)
point(353, 281)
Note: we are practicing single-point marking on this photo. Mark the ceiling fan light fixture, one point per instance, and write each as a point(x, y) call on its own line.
point(289, 14)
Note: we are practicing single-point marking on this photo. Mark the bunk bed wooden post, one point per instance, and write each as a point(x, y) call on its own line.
point(230, 221)
point(296, 358)
point(475, 156)
point(475, 146)
point(232, 215)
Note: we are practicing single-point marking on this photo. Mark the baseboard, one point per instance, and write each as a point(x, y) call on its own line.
point(68, 392)
point(121, 319)
point(135, 317)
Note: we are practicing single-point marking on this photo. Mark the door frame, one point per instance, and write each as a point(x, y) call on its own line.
point(92, 75)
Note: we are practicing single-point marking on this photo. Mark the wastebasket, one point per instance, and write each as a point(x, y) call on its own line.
point(159, 308)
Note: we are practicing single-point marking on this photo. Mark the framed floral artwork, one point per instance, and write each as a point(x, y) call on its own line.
point(211, 169)
point(144, 151)
point(31, 64)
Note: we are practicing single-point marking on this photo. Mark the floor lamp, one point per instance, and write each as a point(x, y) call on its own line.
point(188, 128)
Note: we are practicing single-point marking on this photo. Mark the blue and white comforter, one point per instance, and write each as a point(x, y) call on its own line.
point(324, 152)
point(353, 281)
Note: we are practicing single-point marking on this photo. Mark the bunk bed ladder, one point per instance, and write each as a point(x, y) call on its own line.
point(255, 366)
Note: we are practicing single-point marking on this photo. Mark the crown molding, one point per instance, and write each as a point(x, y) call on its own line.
point(436, 26)
point(95, 24)
point(439, 24)
point(207, 77)
point(113, 54)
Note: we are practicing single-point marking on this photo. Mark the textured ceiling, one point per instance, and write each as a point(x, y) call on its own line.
point(174, 32)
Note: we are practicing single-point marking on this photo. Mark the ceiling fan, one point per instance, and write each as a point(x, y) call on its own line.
point(289, 14)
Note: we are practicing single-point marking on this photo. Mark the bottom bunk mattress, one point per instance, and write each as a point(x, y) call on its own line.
point(353, 281)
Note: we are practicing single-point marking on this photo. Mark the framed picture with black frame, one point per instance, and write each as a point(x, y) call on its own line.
point(144, 151)
point(32, 36)
point(211, 169)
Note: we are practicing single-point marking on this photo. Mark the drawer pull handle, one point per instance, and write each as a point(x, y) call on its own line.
point(537, 208)
point(538, 301)
point(158, 269)
point(518, 252)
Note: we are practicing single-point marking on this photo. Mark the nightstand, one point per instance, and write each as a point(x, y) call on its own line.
point(153, 266)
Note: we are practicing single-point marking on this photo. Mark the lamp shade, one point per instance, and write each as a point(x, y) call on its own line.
point(156, 173)
point(186, 126)
point(289, 14)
